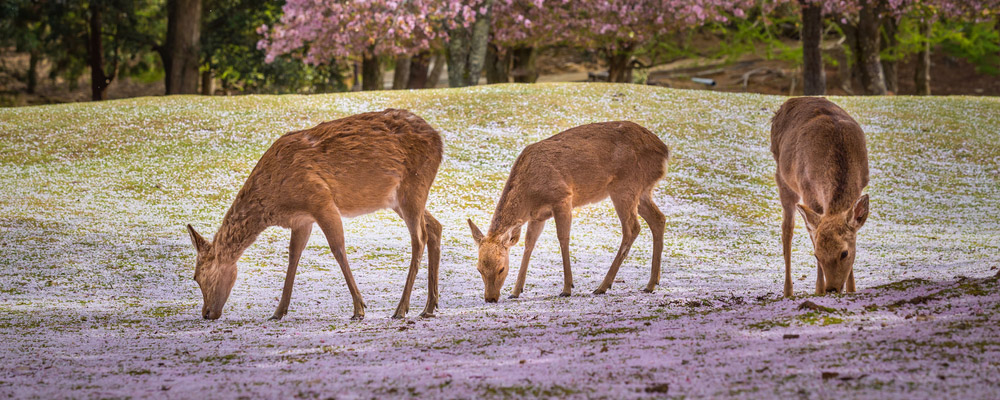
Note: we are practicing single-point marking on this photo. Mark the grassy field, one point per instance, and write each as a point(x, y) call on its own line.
point(97, 298)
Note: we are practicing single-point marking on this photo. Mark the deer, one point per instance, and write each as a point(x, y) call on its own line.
point(822, 169)
point(582, 165)
point(342, 168)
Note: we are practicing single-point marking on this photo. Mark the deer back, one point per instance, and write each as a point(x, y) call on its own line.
point(583, 163)
point(361, 163)
point(821, 153)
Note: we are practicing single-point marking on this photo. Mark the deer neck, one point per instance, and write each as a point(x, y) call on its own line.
point(240, 227)
point(509, 214)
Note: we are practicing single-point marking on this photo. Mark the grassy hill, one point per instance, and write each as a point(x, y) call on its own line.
point(96, 268)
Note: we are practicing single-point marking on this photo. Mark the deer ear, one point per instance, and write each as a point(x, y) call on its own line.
point(812, 219)
point(477, 235)
point(199, 242)
point(860, 214)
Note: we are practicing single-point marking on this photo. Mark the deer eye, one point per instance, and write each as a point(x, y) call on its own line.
point(843, 255)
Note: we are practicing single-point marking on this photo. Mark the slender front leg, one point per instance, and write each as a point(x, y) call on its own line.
point(563, 216)
point(329, 222)
point(300, 237)
point(534, 230)
point(787, 227)
point(850, 282)
point(625, 206)
point(788, 201)
point(433, 234)
point(415, 224)
point(657, 223)
point(820, 282)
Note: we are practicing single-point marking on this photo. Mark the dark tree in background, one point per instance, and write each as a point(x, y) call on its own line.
point(23, 26)
point(181, 55)
point(889, 44)
point(467, 48)
point(111, 37)
point(813, 76)
point(99, 78)
point(922, 73)
point(868, 46)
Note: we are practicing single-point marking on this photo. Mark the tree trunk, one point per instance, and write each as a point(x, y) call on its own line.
point(497, 65)
point(436, 70)
point(356, 82)
point(458, 56)
point(371, 73)
point(418, 70)
point(523, 59)
point(890, 41)
point(207, 86)
point(99, 81)
point(467, 49)
point(401, 73)
point(813, 76)
point(620, 66)
point(183, 33)
point(480, 39)
point(922, 75)
point(33, 71)
point(847, 64)
point(872, 76)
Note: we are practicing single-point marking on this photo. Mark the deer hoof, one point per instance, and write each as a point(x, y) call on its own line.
point(513, 296)
point(648, 290)
point(358, 317)
point(426, 314)
point(275, 317)
point(564, 294)
point(599, 291)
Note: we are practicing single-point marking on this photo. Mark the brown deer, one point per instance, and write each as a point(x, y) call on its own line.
point(342, 168)
point(822, 170)
point(579, 166)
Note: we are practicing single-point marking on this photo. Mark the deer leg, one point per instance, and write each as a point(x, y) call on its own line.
point(432, 231)
point(657, 223)
point(329, 222)
point(626, 208)
point(820, 282)
point(533, 231)
point(563, 216)
point(415, 223)
point(788, 200)
point(300, 236)
point(850, 282)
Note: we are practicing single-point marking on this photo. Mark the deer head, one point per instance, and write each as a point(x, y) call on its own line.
point(494, 252)
point(215, 278)
point(833, 237)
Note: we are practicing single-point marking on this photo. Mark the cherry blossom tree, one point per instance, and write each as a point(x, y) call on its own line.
point(468, 32)
point(519, 29)
point(322, 31)
point(620, 27)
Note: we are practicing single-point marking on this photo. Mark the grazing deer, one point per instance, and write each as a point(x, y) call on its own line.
point(342, 168)
point(822, 170)
point(579, 166)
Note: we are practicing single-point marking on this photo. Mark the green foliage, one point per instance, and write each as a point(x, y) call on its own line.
point(755, 34)
point(758, 34)
point(59, 31)
point(978, 43)
point(229, 49)
point(975, 42)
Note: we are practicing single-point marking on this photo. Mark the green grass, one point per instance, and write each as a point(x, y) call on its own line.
point(94, 198)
